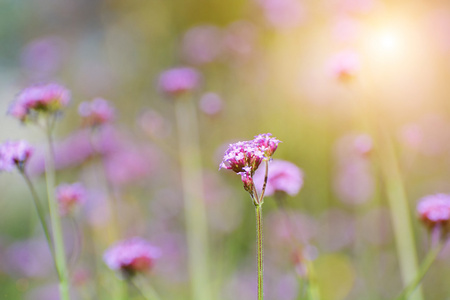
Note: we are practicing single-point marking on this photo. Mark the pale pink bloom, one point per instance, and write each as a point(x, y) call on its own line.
point(354, 182)
point(154, 124)
point(283, 176)
point(345, 29)
point(96, 112)
point(344, 65)
point(239, 39)
point(43, 56)
point(131, 256)
point(14, 154)
point(202, 44)
point(45, 98)
point(177, 81)
point(434, 210)
point(70, 196)
point(363, 144)
point(211, 104)
point(283, 14)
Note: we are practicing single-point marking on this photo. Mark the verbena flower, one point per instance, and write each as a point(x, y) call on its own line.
point(97, 112)
point(14, 154)
point(434, 210)
point(283, 176)
point(70, 196)
point(45, 98)
point(245, 157)
point(177, 81)
point(131, 256)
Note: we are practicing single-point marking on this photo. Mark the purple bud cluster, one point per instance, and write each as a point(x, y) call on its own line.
point(245, 157)
point(434, 210)
point(46, 98)
point(97, 112)
point(14, 154)
point(131, 256)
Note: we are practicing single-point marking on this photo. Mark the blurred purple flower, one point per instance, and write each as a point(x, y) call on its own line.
point(96, 112)
point(283, 14)
point(202, 44)
point(354, 182)
point(29, 258)
point(70, 196)
point(283, 176)
point(177, 81)
point(344, 65)
point(14, 154)
point(46, 98)
point(211, 104)
point(128, 165)
point(131, 256)
point(43, 56)
point(434, 210)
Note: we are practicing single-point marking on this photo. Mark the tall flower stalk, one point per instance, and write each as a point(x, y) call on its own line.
point(244, 158)
point(58, 240)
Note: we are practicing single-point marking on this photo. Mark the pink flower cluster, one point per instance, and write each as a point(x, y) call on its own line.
point(97, 112)
point(69, 196)
point(47, 98)
point(131, 256)
point(177, 81)
point(434, 210)
point(245, 157)
point(14, 154)
point(283, 176)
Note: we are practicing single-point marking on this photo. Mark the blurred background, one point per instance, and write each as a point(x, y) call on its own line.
point(325, 77)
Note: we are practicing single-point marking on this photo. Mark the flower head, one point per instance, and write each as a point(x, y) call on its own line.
point(345, 65)
point(177, 81)
point(70, 196)
point(46, 98)
point(242, 157)
point(96, 112)
point(434, 210)
point(266, 143)
point(283, 176)
point(131, 256)
point(14, 153)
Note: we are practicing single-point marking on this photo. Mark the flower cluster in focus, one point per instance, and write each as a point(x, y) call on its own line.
point(245, 157)
point(14, 154)
point(131, 256)
point(46, 98)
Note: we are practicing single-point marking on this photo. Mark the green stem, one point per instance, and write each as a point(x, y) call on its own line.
point(426, 264)
point(40, 211)
point(58, 241)
point(401, 219)
point(194, 204)
point(146, 290)
point(259, 246)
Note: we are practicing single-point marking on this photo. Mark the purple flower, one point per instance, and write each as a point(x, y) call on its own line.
point(266, 143)
point(283, 176)
point(47, 98)
point(96, 112)
point(242, 157)
point(131, 256)
point(70, 196)
point(434, 210)
point(283, 14)
point(177, 81)
point(202, 44)
point(14, 153)
point(211, 104)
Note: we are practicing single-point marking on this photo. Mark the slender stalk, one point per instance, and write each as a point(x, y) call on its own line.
point(426, 264)
point(147, 292)
point(259, 244)
point(58, 241)
point(194, 204)
point(40, 211)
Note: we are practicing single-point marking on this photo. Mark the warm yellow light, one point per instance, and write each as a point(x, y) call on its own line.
point(388, 42)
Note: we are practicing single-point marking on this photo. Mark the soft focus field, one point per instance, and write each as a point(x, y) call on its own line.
point(356, 90)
